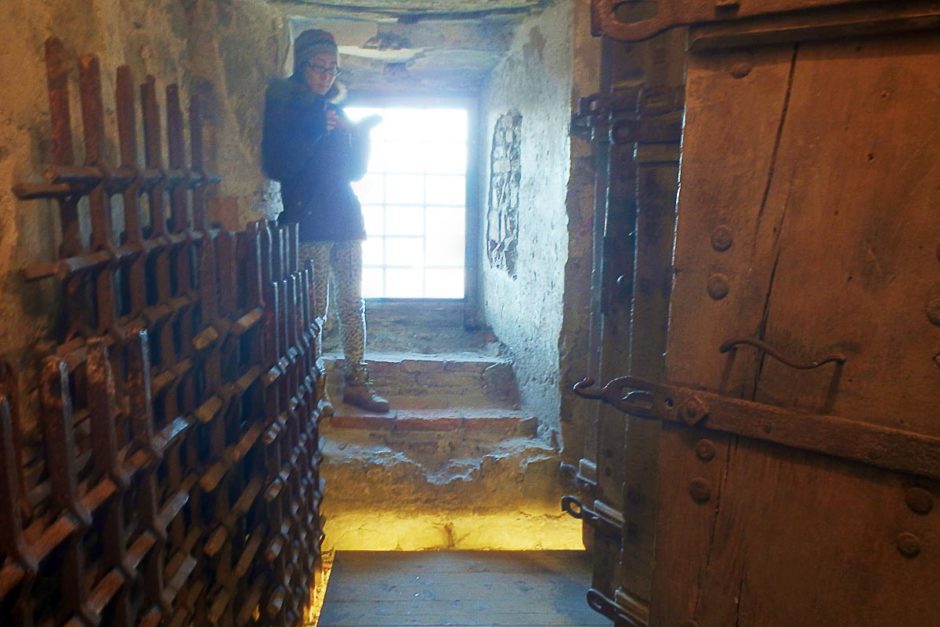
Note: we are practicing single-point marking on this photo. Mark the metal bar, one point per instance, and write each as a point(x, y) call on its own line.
point(106, 462)
point(141, 410)
point(12, 542)
point(133, 222)
point(195, 501)
point(59, 444)
point(863, 442)
point(731, 347)
point(200, 222)
point(179, 208)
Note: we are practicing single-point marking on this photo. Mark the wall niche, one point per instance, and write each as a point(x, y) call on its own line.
point(502, 217)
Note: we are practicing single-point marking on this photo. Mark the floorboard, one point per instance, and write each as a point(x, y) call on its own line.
point(434, 589)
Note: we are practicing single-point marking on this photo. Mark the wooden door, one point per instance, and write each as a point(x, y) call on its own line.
point(798, 455)
point(635, 123)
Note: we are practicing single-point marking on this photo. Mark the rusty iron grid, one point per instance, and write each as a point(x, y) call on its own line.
point(176, 476)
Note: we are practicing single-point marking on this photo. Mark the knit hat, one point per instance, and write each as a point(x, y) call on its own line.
point(309, 44)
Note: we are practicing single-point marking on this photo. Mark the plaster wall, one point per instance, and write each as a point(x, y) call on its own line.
point(223, 49)
point(543, 314)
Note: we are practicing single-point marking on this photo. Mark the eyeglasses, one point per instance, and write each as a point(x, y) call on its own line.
point(320, 69)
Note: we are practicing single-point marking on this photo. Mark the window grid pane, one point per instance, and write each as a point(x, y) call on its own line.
point(414, 203)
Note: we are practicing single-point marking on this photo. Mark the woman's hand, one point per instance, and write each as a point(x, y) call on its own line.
point(335, 121)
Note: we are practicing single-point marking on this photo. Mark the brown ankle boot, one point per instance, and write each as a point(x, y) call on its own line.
point(362, 395)
point(324, 404)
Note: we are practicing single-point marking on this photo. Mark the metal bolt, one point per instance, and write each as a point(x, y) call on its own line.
point(740, 70)
point(933, 311)
point(692, 411)
point(908, 544)
point(919, 500)
point(700, 490)
point(705, 450)
point(722, 237)
point(718, 286)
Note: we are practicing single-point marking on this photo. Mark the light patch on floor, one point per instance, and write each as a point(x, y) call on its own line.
point(547, 530)
point(320, 582)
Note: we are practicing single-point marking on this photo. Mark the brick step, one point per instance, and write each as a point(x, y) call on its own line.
point(435, 381)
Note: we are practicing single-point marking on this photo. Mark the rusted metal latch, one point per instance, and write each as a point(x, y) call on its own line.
point(632, 615)
point(630, 115)
point(604, 522)
point(864, 442)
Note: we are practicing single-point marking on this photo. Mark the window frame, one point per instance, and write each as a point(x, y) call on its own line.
point(472, 226)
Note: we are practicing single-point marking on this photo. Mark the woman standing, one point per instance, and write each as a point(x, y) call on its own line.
point(312, 148)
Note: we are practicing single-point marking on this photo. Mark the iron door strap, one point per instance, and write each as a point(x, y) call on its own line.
point(621, 615)
point(605, 523)
point(872, 444)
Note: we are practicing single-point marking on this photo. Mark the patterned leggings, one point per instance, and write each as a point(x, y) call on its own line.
point(345, 261)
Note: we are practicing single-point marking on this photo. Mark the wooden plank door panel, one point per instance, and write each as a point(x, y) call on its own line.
point(807, 218)
point(858, 180)
point(801, 539)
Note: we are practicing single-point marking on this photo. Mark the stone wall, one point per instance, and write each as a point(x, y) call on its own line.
point(543, 313)
point(224, 49)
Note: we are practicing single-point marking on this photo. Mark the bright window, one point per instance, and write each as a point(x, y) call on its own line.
point(414, 201)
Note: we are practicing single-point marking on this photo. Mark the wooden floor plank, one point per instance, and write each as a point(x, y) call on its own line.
point(432, 589)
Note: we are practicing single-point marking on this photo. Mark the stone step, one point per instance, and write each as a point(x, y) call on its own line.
point(499, 421)
point(434, 436)
point(435, 381)
point(371, 473)
point(417, 326)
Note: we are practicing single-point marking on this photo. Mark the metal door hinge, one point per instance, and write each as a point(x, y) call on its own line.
point(598, 113)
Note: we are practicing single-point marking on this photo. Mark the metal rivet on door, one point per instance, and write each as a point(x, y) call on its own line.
point(919, 500)
point(740, 70)
point(705, 450)
point(722, 237)
point(700, 490)
point(908, 544)
point(718, 286)
point(933, 311)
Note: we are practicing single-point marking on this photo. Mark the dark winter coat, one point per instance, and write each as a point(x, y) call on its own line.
point(314, 166)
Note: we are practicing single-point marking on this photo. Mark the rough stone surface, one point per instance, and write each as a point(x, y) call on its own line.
point(225, 50)
point(454, 447)
point(506, 476)
point(543, 314)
